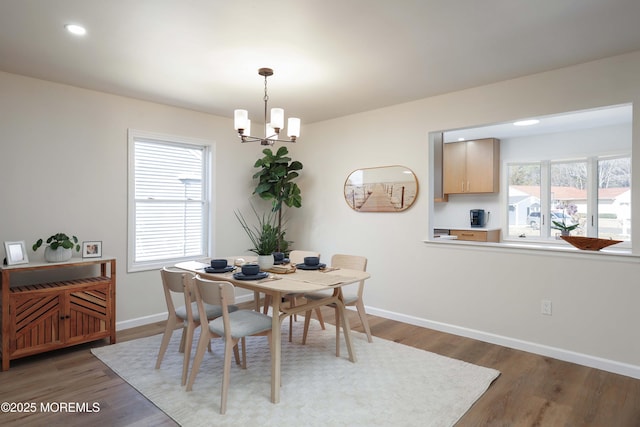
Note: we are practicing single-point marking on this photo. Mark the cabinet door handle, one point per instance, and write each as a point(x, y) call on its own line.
point(468, 187)
point(462, 186)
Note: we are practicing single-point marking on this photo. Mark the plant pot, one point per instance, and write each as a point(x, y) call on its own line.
point(57, 255)
point(265, 261)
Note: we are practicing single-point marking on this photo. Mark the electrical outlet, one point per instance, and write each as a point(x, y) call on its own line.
point(545, 307)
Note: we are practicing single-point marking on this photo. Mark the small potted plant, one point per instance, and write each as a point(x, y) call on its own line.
point(59, 247)
point(565, 230)
point(264, 236)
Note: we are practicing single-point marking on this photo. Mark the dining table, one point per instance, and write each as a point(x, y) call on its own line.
point(282, 280)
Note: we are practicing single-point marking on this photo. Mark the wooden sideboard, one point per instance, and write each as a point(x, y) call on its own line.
point(43, 311)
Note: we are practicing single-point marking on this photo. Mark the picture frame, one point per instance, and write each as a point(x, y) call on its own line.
point(92, 249)
point(16, 252)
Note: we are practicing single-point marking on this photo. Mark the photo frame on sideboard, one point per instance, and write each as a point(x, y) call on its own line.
point(16, 252)
point(92, 249)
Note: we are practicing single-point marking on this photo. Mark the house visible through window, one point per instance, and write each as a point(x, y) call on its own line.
point(169, 206)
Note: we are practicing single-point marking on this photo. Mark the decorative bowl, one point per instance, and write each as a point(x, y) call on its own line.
point(589, 243)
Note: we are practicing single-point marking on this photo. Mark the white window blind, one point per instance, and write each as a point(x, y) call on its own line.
point(170, 201)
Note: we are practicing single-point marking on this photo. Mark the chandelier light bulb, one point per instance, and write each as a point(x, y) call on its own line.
point(277, 118)
point(293, 127)
point(240, 118)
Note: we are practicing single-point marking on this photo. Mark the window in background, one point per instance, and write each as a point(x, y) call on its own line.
point(169, 203)
point(524, 200)
point(614, 198)
point(576, 192)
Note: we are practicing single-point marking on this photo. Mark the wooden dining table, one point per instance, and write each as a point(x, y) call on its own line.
point(278, 285)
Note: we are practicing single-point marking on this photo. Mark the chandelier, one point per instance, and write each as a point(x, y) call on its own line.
point(271, 129)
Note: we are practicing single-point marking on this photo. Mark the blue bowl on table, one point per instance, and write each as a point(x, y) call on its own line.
point(250, 269)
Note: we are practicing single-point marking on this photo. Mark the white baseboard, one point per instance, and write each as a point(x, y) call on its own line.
point(544, 350)
point(608, 365)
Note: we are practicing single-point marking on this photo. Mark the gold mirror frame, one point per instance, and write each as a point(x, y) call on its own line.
point(381, 189)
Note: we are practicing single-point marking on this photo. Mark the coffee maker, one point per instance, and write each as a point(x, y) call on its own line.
point(477, 218)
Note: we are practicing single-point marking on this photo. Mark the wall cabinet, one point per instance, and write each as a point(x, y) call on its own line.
point(48, 315)
point(471, 166)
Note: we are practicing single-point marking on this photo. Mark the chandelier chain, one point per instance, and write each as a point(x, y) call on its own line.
point(266, 99)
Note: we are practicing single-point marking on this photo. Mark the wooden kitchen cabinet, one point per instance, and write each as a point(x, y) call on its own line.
point(471, 166)
point(48, 315)
point(478, 235)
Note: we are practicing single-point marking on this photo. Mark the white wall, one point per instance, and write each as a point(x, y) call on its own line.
point(63, 163)
point(491, 294)
point(63, 158)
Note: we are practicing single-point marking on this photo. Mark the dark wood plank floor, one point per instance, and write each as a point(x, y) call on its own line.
point(531, 390)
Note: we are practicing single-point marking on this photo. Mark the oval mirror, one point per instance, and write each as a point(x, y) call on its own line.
point(381, 189)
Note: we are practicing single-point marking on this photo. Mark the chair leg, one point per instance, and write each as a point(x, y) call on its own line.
point(363, 319)
point(337, 332)
point(204, 340)
point(320, 319)
point(166, 337)
point(182, 340)
point(292, 303)
point(188, 340)
point(307, 320)
point(267, 303)
point(228, 346)
point(244, 353)
point(236, 354)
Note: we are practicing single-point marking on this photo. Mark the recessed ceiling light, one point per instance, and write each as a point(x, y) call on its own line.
point(527, 122)
point(78, 30)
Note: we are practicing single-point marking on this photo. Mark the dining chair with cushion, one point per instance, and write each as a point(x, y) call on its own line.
point(176, 281)
point(350, 298)
point(232, 326)
point(295, 257)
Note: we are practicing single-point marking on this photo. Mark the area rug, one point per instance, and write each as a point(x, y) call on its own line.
point(390, 384)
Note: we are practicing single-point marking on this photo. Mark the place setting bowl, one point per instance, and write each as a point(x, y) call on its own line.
point(279, 259)
point(219, 266)
point(250, 271)
point(311, 263)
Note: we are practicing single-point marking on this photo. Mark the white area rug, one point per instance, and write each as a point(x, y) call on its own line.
point(390, 385)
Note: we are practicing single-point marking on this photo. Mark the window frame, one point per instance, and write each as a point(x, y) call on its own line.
point(592, 204)
point(207, 148)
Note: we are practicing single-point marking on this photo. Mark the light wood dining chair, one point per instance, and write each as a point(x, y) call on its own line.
point(350, 298)
point(233, 327)
point(177, 281)
point(295, 257)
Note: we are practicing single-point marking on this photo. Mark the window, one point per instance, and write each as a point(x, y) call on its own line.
point(169, 206)
point(573, 192)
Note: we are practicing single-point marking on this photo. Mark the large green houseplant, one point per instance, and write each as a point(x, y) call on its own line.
point(276, 184)
point(59, 247)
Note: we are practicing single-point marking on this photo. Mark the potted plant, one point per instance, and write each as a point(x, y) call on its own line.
point(565, 230)
point(59, 247)
point(264, 237)
point(275, 183)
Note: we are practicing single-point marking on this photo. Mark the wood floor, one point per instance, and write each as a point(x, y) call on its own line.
point(531, 390)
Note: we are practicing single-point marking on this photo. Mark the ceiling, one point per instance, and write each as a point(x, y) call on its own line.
point(331, 57)
point(571, 121)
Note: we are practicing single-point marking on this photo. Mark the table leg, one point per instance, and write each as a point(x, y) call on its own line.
point(346, 328)
point(276, 347)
